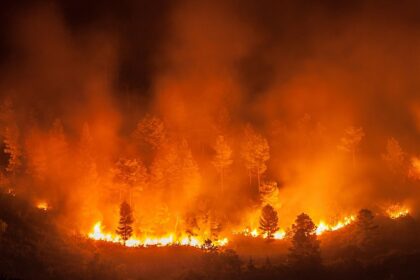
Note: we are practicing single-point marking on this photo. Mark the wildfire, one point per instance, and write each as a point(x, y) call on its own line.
point(280, 234)
point(323, 227)
point(169, 240)
point(397, 211)
point(394, 212)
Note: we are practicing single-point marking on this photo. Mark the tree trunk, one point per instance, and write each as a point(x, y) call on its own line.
point(221, 180)
point(258, 177)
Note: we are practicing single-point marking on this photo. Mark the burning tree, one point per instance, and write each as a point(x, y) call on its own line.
point(350, 141)
point(223, 157)
point(151, 130)
point(305, 245)
point(255, 152)
point(131, 174)
point(394, 156)
point(269, 193)
point(269, 221)
point(125, 229)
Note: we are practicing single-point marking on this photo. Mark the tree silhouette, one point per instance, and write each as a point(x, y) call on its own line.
point(305, 245)
point(350, 141)
point(255, 152)
point(125, 229)
point(151, 130)
point(269, 221)
point(365, 229)
point(131, 175)
point(269, 193)
point(394, 155)
point(222, 158)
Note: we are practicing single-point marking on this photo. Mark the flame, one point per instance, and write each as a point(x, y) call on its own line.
point(323, 226)
point(167, 240)
point(280, 234)
point(394, 212)
point(397, 211)
point(43, 205)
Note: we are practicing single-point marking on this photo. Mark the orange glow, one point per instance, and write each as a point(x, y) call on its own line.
point(168, 240)
point(323, 227)
point(397, 211)
point(43, 205)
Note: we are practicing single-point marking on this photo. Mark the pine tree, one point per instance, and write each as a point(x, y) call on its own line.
point(305, 245)
point(269, 194)
point(57, 147)
point(222, 158)
point(131, 175)
point(365, 229)
point(350, 141)
point(394, 155)
point(255, 152)
point(269, 221)
point(125, 229)
point(152, 131)
point(87, 163)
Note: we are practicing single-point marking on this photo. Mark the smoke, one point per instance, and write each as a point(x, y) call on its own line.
point(301, 74)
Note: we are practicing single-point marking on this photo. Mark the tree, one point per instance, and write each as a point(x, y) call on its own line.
point(350, 141)
point(222, 158)
point(36, 154)
point(269, 221)
point(305, 245)
point(394, 155)
point(87, 162)
point(125, 229)
point(365, 228)
point(130, 174)
point(269, 194)
point(151, 130)
point(12, 149)
point(255, 152)
point(57, 147)
point(175, 172)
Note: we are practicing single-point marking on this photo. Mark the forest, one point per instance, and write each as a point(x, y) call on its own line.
point(209, 140)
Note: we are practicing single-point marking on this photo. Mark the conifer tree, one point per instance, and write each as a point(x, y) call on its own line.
point(222, 158)
point(255, 152)
point(125, 229)
point(269, 221)
point(305, 245)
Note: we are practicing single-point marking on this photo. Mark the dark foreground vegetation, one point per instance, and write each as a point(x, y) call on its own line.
point(34, 246)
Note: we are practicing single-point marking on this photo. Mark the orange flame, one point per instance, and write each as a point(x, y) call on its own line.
point(397, 211)
point(168, 240)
